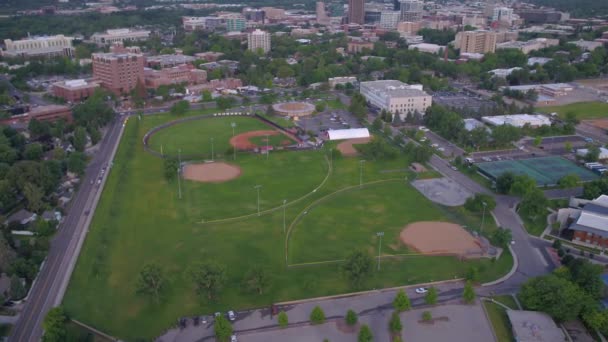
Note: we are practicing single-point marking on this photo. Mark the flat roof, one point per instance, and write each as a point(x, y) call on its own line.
point(394, 88)
point(534, 326)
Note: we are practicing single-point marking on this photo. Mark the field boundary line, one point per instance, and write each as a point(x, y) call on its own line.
point(268, 211)
point(308, 207)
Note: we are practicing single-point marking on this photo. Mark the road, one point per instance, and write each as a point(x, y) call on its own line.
point(52, 281)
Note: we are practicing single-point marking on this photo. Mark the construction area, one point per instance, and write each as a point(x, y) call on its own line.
point(546, 171)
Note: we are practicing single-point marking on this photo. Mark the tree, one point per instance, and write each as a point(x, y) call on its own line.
point(377, 124)
point(80, 139)
point(33, 151)
point(427, 316)
point(151, 281)
point(283, 319)
point(225, 102)
point(522, 184)
point(593, 154)
point(365, 334)
point(587, 276)
point(394, 324)
point(222, 328)
point(208, 278)
point(504, 182)
point(170, 166)
point(357, 267)
point(180, 108)
point(33, 195)
point(476, 203)
point(319, 107)
point(468, 294)
point(77, 162)
point(431, 297)
point(554, 295)
point(569, 181)
point(317, 316)
point(54, 325)
point(207, 96)
point(505, 134)
point(533, 204)
point(257, 279)
point(7, 254)
point(351, 318)
point(501, 237)
point(402, 302)
point(17, 290)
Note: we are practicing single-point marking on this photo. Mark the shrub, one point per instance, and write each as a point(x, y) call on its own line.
point(557, 244)
point(427, 316)
point(402, 302)
point(394, 324)
point(283, 319)
point(365, 334)
point(317, 316)
point(351, 317)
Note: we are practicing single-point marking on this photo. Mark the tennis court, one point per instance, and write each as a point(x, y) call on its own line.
point(544, 170)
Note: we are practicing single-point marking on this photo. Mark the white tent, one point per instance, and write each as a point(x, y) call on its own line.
point(352, 133)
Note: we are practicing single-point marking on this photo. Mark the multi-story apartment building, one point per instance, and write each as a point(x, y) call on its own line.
point(479, 41)
point(33, 47)
point(118, 72)
point(258, 39)
point(181, 74)
point(235, 23)
point(110, 37)
point(396, 97)
point(389, 19)
point(356, 11)
point(74, 90)
point(411, 10)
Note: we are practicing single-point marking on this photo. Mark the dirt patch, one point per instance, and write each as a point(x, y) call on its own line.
point(242, 141)
point(599, 123)
point(440, 238)
point(345, 328)
point(348, 150)
point(211, 172)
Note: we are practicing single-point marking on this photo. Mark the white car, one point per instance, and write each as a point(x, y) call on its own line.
point(231, 315)
point(233, 338)
point(454, 168)
point(422, 290)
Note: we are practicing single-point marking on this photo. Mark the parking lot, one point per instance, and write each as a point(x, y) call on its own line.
point(329, 119)
point(463, 99)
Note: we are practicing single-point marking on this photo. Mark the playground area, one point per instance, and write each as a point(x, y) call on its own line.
point(544, 170)
point(433, 237)
point(443, 191)
point(211, 172)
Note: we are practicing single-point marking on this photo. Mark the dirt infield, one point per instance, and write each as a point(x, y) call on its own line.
point(348, 150)
point(598, 123)
point(440, 238)
point(242, 141)
point(211, 172)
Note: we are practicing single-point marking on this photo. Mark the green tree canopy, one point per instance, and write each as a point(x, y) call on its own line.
point(357, 267)
point(556, 296)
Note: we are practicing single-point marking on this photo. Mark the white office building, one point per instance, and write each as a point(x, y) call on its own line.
point(389, 19)
point(258, 39)
point(503, 14)
point(110, 37)
point(46, 46)
point(411, 10)
point(517, 120)
point(396, 97)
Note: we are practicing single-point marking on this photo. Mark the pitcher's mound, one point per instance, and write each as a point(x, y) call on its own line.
point(211, 172)
point(440, 238)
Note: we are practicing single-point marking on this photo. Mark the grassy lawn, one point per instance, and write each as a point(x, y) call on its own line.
point(140, 220)
point(507, 300)
point(535, 226)
point(500, 321)
point(5, 329)
point(273, 140)
point(583, 110)
point(194, 137)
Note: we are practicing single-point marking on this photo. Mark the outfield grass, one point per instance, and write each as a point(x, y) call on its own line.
point(140, 220)
point(583, 110)
point(194, 137)
point(500, 322)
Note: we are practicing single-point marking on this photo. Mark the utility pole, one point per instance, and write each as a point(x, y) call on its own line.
point(257, 188)
point(483, 216)
point(234, 147)
point(379, 235)
point(267, 150)
point(212, 149)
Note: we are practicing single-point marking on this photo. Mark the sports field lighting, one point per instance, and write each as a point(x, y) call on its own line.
point(212, 149)
point(379, 235)
point(361, 162)
point(267, 150)
point(257, 188)
point(284, 206)
point(233, 125)
point(483, 216)
point(179, 166)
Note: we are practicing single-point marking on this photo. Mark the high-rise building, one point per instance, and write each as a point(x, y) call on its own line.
point(253, 14)
point(258, 39)
point(322, 17)
point(411, 10)
point(235, 23)
point(479, 41)
point(396, 5)
point(389, 19)
point(356, 11)
point(39, 47)
point(118, 72)
point(503, 14)
point(336, 9)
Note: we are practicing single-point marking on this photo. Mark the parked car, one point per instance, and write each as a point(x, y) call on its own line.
point(233, 338)
point(422, 290)
point(231, 315)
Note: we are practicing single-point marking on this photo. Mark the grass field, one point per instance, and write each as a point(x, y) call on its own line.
point(273, 140)
point(583, 110)
point(194, 137)
point(140, 220)
point(499, 319)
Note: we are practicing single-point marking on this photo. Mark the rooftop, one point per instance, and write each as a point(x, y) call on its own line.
point(534, 326)
point(394, 88)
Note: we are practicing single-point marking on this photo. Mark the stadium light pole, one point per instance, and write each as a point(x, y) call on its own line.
point(284, 206)
point(179, 166)
point(361, 173)
point(267, 150)
point(257, 188)
point(379, 235)
point(483, 216)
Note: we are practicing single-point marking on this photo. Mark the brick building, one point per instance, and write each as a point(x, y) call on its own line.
point(214, 85)
point(74, 90)
point(590, 225)
point(180, 74)
point(357, 45)
point(118, 72)
point(41, 113)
